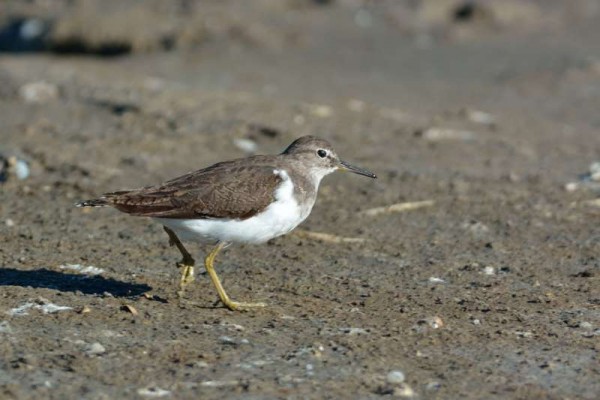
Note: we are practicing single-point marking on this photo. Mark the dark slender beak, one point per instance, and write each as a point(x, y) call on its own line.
point(357, 170)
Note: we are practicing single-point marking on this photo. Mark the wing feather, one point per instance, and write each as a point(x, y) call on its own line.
point(224, 190)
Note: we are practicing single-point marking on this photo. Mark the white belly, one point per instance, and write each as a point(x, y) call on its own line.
point(279, 218)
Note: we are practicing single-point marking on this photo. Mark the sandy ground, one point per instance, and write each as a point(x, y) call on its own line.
point(488, 288)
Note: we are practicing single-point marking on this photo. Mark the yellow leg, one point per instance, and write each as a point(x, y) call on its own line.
point(209, 264)
point(186, 264)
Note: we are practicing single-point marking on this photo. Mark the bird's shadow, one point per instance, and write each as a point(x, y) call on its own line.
point(95, 285)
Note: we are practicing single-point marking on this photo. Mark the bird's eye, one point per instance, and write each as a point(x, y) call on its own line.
point(322, 153)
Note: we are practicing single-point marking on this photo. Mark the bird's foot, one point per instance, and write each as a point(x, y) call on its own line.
point(240, 306)
point(187, 277)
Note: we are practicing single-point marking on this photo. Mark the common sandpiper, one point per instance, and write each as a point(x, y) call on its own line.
point(248, 200)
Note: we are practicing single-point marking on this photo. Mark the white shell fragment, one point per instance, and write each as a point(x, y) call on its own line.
point(89, 270)
point(42, 304)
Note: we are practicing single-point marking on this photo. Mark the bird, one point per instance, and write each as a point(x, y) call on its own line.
point(247, 200)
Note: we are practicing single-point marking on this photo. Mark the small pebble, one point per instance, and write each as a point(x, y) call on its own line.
point(130, 309)
point(590, 179)
point(32, 29)
point(234, 327)
point(440, 134)
point(13, 166)
point(354, 331)
point(434, 279)
point(322, 111)
point(38, 92)
point(153, 392)
point(571, 186)
point(433, 385)
point(423, 325)
point(479, 117)
point(585, 325)
point(395, 377)
point(5, 327)
point(95, 349)
point(489, 271)
point(246, 145)
point(524, 334)
point(477, 228)
point(594, 203)
point(436, 322)
point(217, 384)
point(154, 84)
point(232, 341)
point(9, 222)
point(356, 105)
point(404, 391)
point(299, 119)
point(396, 115)
point(476, 322)
point(227, 340)
point(21, 169)
point(595, 171)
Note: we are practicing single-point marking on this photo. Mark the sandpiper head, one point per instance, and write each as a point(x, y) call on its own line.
point(318, 155)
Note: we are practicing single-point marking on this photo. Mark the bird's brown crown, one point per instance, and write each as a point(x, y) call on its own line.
point(308, 144)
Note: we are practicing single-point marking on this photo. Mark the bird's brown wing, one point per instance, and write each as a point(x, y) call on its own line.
point(225, 190)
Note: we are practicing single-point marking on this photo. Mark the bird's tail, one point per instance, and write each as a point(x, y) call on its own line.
point(92, 203)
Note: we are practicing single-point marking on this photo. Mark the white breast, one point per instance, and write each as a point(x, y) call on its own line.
point(279, 218)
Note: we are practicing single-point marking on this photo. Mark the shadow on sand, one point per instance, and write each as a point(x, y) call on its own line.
point(44, 278)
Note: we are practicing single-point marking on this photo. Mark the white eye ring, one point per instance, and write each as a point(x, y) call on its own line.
point(322, 153)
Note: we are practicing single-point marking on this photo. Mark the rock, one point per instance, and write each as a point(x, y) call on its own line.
point(489, 271)
point(95, 349)
point(395, 377)
point(479, 117)
point(321, 110)
point(21, 169)
point(13, 167)
point(404, 391)
point(589, 180)
point(356, 105)
point(477, 228)
point(434, 279)
point(38, 92)
point(354, 331)
point(246, 145)
point(227, 340)
point(585, 325)
point(595, 171)
point(5, 327)
point(443, 134)
point(425, 324)
point(130, 309)
point(153, 392)
point(19, 34)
